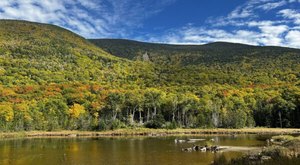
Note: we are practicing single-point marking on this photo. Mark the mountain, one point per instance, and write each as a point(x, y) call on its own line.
point(219, 62)
point(54, 79)
point(220, 52)
point(35, 53)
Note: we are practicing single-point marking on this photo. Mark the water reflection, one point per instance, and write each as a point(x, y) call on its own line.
point(126, 150)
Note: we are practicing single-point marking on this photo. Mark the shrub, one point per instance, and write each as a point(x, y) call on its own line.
point(171, 125)
point(102, 125)
point(157, 122)
point(117, 124)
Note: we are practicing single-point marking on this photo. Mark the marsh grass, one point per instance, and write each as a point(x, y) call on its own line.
point(139, 131)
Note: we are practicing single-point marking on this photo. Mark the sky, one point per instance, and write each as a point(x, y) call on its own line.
point(254, 22)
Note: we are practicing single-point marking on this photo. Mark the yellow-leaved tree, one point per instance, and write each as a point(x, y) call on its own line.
point(6, 112)
point(76, 110)
point(6, 115)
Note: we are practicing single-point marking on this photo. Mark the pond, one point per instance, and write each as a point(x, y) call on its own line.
point(118, 150)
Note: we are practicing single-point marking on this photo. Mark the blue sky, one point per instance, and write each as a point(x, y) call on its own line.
point(255, 22)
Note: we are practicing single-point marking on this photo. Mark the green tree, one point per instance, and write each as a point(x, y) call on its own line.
point(55, 113)
point(115, 102)
point(153, 99)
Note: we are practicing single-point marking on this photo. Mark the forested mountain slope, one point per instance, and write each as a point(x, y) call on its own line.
point(219, 62)
point(221, 52)
point(32, 53)
point(51, 79)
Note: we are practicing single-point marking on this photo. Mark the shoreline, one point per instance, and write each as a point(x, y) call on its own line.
point(147, 132)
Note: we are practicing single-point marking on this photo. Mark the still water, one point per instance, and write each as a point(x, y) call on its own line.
point(117, 150)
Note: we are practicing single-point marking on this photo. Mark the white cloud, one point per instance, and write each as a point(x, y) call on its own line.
point(240, 12)
point(196, 35)
point(248, 9)
point(291, 14)
point(268, 35)
point(272, 5)
point(48, 11)
point(271, 35)
point(293, 38)
point(90, 18)
point(245, 24)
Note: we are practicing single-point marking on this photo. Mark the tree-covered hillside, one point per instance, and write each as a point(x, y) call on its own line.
point(221, 52)
point(52, 79)
point(32, 53)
